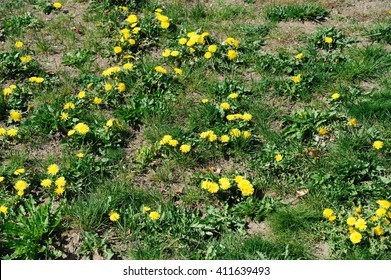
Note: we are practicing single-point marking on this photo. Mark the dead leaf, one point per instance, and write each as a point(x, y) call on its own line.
point(302, 192)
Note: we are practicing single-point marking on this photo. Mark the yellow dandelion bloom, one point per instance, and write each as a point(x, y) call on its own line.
point(154, 215)
point(238, 179)
point(246, 187)
point(146, 209)
point(213, 187)
point(205, 100)
point(335, 96)
point(208, 55)
point(296, 79)
point(19, 171)
point(182, 41)
point(81, 94)
point(12, 132)
point(212, 48)
point(360, 224)
point(46, 182)
point(165, 139)
point(174, 53)
point(355, 237)
point(185, 148)
point(81, 128)
point(131, 19)
point(246, 134)
point(127, 66)
point(235, 132)
point(247, 117)
point(232, 54)
point(166, 53)
point(378, 144)
point(7, 91)
point(108, 87)
point(233, 95)
point(328, 40)
point(224, 138)
point(224, 106)
point(64, 116)
point(97, 100)
point(278, 157)
point(327, 213)
point(322, 131)
point(21, 185)
point(53, 169)
point(173, 143)
point(164, 24)
point(60, 182)
point(299, 56)
point(16, 116)
point(384, 203)
point(57, 5)
point(381, 212)
point(80, 155)
point(352, 122)
point(224, 183)
point(19, 44)
point(178, 71)
point(161, 69)
point(121, 87)
point(3, 209)
point(351, 221)
point(71, 132)
point(378, 230)
point(69, 105)
point(114, 216)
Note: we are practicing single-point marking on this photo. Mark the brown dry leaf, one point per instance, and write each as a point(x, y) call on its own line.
point(302, 192)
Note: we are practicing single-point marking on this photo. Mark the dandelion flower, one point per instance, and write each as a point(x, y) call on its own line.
point(81, 94)
point(21, 185)
point(378, 144)
point(246, 187)
point(212, 48)
point(108, 87)
point(232, 54)
point(117, 49)
point(80, 155)
point(351, 221)
point(3, 209)
point(246, 134)
point(46, 182)
point(224, 106)
point(60, 182)
point(114, 216)
point(182, 41)
point(360, 224)
point(64, 116)
point(335, 96)
point(384, 203)
point(185, 148)
point(3, 131)
point(173, 143)
point(16, 116)
point(224, 138)
point(154, 215)
point(328, 40)
point(208, 55)
point(174, 53)
point(69, 105)
point(299, 56)
point(247, 117)
point(146, 209)
point(82, 128)
point(1, 179)
point(53, 169)
point(380, 212)
point(233, 95)
point(161, 69)
point(71, 132)
point(19, 44)
point(7, 91)
point(327, 213)
point(332, 218)
point(352, 122)
point(213, 187)
point(378, 230)
point(166, 53)
point(296, 79)
point(97, 100)
point(224, 183)
point(57, 5)
point(12, 132)
point(178, 71)
point(127, 66)
point(131, 19)
point(121, 87)
point(164, 24)
point(322, 131)
point(355, 237)
point(278, 157)
point(235, 132)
